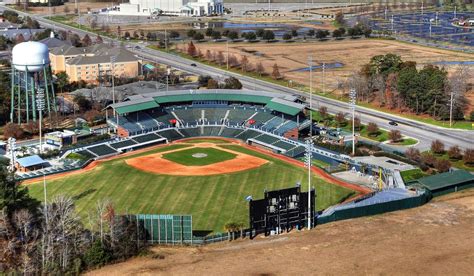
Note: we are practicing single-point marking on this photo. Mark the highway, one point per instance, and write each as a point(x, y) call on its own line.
point(425, 133)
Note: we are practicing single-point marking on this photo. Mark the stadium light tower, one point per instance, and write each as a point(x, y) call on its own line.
point(308, 157)
point(40, 107)
point(352, 102)
point(310, 64)
point(11, 148)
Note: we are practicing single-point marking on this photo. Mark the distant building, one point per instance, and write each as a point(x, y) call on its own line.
point(93, 63)
point(171, 7)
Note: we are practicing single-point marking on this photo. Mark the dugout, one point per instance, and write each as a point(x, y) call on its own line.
point(447, 182)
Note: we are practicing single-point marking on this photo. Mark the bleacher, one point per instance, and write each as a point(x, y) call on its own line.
point(122, 144)
point(262, 117)
point(273, 123)
point(211, 131)
point(239, 116)
point(170, 134)
point(147, 121)
point(289, 125)
point(296, 151)
point(247, 134)
point(162, 117)
point(87, 154)
point(215, 115)
point(191, 132)
point(146, 138)
point(284, 145)
point(102, 150)
point(267, 139)
point(231, 132)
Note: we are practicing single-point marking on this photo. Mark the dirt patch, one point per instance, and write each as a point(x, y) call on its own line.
point(430, 240)
point(352, 53)
point(155, 163)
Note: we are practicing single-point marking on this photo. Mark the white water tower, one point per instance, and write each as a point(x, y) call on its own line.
point(31, 71)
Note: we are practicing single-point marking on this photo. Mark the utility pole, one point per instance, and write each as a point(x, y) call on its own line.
point(455, 13)
point(324, 72)
point(168, 72)
point(112, 70)
point(11, 148)
point(227, 50)
point(166, 41)
point(451, 109)
point(422, 7)
point(391, 21)
point(430, 28)
point(352, 102)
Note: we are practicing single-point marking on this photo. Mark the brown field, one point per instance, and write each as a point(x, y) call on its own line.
point(434, 239)
point(84, 7)
point(352, 53)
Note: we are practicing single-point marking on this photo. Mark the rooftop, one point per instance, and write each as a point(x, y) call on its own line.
point(443, 180)
point(30, 161)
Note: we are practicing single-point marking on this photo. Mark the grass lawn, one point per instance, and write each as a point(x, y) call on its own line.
point(405, 142)
point(412, 174)
point(455, 163)
point(212, 200)
point(185, 157)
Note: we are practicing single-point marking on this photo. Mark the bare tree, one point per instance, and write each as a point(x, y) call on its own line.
point(259, 69)
point(395, 135)
point(244, 63)
point(437, 147)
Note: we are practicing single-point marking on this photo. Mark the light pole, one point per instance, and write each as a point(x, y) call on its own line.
point(168, 72)
point(227, 50)
point(324, 72)
point(11, 147)
point(308, 158)
point(112, 70)
point(40, 108)
point(310, 64)
point(451, 109)
point(352, 102)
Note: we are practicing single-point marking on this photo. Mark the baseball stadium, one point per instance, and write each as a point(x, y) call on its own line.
point(200, 153)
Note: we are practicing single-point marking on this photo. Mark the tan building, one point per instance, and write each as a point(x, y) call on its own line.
point(93, 63)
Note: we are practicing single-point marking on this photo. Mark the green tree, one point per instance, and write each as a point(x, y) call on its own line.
point(260, 32)
point(287, 36)
point(216, 35)
point(251, 36)
point(14, 196)
point(97, 255)
point(268, 35)
point(62, 80)
point(233, 35)
point(232, 83)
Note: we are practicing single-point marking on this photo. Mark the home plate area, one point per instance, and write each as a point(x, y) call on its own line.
point(197, 159)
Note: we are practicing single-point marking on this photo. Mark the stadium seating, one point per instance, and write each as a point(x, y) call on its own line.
point(123, 144)
point(231, 132)
point(102, 150)
point(87, 154)
point(146, 138)
point(170, 134)
point(267, 139)
point(247, 134)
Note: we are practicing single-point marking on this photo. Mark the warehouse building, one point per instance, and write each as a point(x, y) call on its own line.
point(171, 7)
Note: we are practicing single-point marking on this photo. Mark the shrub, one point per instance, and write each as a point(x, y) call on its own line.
point(454, 152)
point(97, 255)
point(442, 165)
point(471, 116)
point(413, 154)
point(437, 147)
point(373, 129)
point(469, 157)
point(395, 135)
point(428, 159)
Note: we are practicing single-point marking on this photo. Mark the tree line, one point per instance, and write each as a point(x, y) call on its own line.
point(50, 238)
point(397, 84)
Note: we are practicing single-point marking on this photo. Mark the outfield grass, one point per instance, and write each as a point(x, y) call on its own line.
point(185, 157)
point(212, 200)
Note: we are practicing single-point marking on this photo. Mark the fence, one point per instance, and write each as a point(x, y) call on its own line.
point(375, 209)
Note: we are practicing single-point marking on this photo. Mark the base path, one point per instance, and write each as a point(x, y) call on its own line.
point(155, 163)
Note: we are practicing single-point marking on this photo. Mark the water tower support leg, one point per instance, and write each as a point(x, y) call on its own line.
point(46, 89)
point(33, 98)
point(18, 90)
point(52, 89)
point(27, 96)
point(12, 110)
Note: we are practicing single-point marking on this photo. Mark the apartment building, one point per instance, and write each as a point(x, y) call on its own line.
point(95, 62)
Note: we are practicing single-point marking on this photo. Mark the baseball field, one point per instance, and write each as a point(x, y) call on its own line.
point(209, 182)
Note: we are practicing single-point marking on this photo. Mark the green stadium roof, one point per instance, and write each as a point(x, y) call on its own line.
point(443, 180)
point(134, 105)
point(212, 97)
point(285, 106)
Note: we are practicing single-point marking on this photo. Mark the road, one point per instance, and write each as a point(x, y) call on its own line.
point(425, 133)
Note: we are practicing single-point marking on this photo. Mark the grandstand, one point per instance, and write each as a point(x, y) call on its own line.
point(267, 119)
